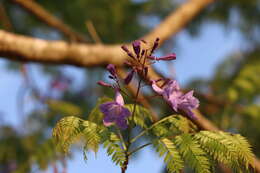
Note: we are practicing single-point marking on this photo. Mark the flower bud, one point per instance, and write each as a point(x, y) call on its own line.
point(127, 51)
point(112, 70)
point(129, 77)
point(102, 83)
point(155, 45)
point(137, 47)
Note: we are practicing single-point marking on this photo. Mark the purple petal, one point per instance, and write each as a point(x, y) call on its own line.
point(190, 113)
point(107, 124)
point(129, 77)
point(190, 101)
point(125, 112)
point(106, 107)
point(137, 46)
point(121, 123)
point(119, 98)
point(156, 88)
point(109, 119)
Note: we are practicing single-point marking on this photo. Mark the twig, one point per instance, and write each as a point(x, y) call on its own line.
point(49, 19)
point(93, 32)
point(138, 148)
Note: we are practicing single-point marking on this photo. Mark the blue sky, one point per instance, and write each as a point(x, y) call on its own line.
point(196, 57)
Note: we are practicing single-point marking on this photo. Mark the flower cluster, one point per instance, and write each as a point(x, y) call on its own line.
point(139, 60)
point(177, 100)
point(143, 56)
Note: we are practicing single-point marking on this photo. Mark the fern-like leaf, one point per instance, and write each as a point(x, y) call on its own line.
point(229, 149)
point(193, 154)
point(67, 131)
point(172, 157)
point(142, 115)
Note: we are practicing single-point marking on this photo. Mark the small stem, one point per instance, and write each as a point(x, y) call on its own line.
point(124, 166)
point(146, 130)
point(122, 139)
point(139, 148)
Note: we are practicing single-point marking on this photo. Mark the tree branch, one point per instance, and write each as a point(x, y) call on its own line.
point(49, 19)
point(60, 52)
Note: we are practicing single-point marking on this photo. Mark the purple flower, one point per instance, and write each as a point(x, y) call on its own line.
point(115, 112)
point(137, 47)
point(177, 100)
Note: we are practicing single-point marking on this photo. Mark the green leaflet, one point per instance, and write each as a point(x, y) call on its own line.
point(166, 147)
point(115, 151)
point(192, 153)
point(110, 141)
point(142, 116)
point(175, 125)
point(69, 129)
point(229, 149)
point(96, 115)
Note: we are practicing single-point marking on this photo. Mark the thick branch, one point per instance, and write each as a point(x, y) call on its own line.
point(23, 48)
point(59, 52)
point(177, 20)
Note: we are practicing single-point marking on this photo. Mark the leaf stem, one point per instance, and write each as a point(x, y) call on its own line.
point(139, 148)
point(149, 128)
point(122, 139)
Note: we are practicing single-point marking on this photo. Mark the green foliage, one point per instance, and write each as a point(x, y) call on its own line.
point(69, 129)
point(96, 115)
point(91, 135)
point(201, 151)
point(142, 116)
point(45, 153)
point(192, 153)
point(174, 125)
point(115, 151)
point(64, 108)
point(252, 111)
point(233, 150)
point(246, 83)
point(172, 157)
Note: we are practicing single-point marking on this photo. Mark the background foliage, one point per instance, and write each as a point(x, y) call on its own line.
point(230, 98)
